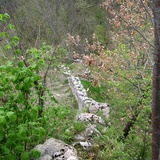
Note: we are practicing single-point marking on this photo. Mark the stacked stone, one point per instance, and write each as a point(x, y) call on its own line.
point(54, 149)
point(83, 100)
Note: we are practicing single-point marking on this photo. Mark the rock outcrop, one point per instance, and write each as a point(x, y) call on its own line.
point(54, 149)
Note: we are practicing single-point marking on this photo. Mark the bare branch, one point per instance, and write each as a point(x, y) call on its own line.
point(133, 27)
point(147, 11)
point(48, 67)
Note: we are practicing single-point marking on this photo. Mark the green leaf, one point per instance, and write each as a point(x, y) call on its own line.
point(10, 157)
point(2, 120)
point(2, 20)
point(8, 46)
point(25, 156)
point(34, 66)
point(39, 131)
point(18, 86)
point(11, 138)
point(9, 68)
point(9, 64)
point(15, 39)
point(2, 94)
point(16, 69)
point(34, 114)
point(33, 124)
point(26, 80)
point(42, 131)
point(41, 62)
point(6, 15)
point(22, 74)
point(22, 133)
point(36, 153)
point(6, 150)
point(54, 99)
point(19, 148)
point(10, 26)
point(2, 34)
point(7, 35)
point(1, 112)
point(1, 17)
point(18, 52)
point(20, 64)
point(12, 117)
point(1, 137)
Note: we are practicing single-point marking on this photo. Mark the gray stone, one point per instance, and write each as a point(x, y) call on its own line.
point(56, 149)
point(87, 133)
point(83, 101)
point(89, 117)
point(85, 145)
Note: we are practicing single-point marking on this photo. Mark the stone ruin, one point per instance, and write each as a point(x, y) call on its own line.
point(84, 101)
point(54, 149)
point(88, 108)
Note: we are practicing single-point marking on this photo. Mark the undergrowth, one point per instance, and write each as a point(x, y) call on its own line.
point(99, 94)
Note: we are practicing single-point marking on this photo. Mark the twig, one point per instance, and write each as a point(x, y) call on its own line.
point(48, 67)
point(147, 11)
point(141, 35)
point(125, 79)
point(38, 36)
point(129, 24)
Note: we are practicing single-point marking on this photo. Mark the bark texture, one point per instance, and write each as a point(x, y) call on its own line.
point(156, 84)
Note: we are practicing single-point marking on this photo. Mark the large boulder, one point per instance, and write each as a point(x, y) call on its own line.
point(54, 149)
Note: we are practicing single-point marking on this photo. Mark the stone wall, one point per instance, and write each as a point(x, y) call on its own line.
point(83, 100)
point(54, 149)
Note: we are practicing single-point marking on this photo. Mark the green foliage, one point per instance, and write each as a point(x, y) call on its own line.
point(137, 145)
point(34, 27)
point(127, 83)
point(4, 17)
point(101, 33)
point(20, 124)
point(97, 93)
point(128, 91)
point(79, 126)
point(59, 119)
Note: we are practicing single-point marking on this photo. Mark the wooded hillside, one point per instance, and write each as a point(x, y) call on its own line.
point(109, 45)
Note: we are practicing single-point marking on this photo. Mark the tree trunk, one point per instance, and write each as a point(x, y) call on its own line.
point(156, 84)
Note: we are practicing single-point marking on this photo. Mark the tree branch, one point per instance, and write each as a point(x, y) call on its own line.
point(48, 67)
point(133, 27)
point(147, 11)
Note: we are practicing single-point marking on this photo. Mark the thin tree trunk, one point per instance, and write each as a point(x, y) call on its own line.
point(156, 84)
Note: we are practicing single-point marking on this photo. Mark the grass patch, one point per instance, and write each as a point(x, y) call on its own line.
point(58, 120)
point(97, 93)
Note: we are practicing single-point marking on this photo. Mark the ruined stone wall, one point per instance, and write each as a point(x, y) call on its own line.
point(54, 149)
point(83, 100)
